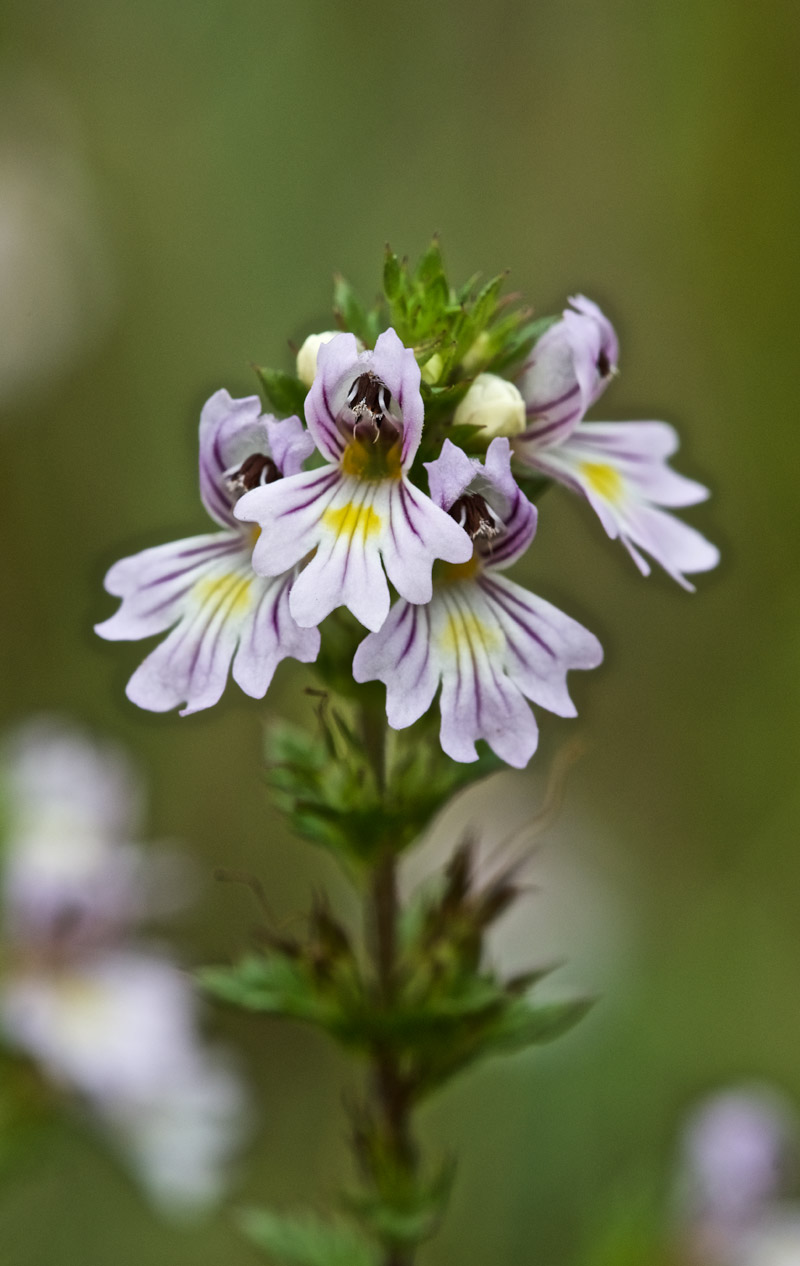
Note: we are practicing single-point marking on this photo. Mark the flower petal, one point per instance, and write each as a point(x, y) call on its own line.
point(290, 444)
point(397, 366)
point(567, 370)
point(453, 474)
point(350, 523)
point(492, 645)
point(268, 635)
point(206, 588)
point(233, 430)
point(227, 427)
point(542, 643)
point(289, 513)
point(154, 584)
point(450, 474)
point(419, 532)
point(337, 362)
point(401, 655)
point(620, 467)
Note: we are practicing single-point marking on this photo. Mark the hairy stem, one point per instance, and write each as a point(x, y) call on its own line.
point(391, 1092)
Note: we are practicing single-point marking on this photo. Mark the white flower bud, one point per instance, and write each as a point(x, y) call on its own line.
point(307, 356)
point(493, 404)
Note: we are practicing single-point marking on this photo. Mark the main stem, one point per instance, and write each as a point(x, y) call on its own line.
point(391, 1091)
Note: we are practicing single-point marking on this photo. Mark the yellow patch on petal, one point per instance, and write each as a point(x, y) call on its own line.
point(465, 630)
point(372, 461)
point(605, 480)
point(231, 589)
point(84, 1009)
point(353, 520)
point(452, 573)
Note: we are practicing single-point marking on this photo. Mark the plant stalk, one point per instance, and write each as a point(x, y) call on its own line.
point(392, 1094)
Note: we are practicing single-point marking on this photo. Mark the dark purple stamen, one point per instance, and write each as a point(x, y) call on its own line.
point(473, 514)
point(255, 470)
point(369, 401)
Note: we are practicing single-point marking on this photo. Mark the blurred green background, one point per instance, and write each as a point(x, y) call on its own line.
point(177, 184)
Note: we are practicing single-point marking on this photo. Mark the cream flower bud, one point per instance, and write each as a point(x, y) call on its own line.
point(307, 356)
point(494, 405)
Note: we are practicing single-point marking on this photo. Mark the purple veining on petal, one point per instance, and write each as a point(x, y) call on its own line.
point(406, 490)
point(542, 406)
point(330, 478)
point(546, 428)
point(212, 554)
point(503, 598)
point(331, 430)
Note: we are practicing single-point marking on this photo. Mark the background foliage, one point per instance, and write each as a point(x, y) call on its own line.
point(238, 151)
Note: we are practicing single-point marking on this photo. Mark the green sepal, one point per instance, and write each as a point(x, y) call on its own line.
point(518, 342)
point(326, 784)
point(504, 1031)
point(306, 1240)
point(285, 393)
point(392, 277)
point(350, 313)
point(430, 277)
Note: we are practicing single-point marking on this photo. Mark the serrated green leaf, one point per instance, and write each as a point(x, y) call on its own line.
point(285, 393)
point(306, 1240)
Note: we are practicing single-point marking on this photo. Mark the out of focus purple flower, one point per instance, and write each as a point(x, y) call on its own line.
point(736, 1160)
point(104, 1017)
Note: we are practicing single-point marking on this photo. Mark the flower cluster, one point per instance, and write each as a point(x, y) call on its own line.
point(338, 509)
point(101, 1014)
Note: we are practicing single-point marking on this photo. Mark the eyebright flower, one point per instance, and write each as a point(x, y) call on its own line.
point(567, 370)
point(619, 467)
point(205, 589)
point(360, 513)
point(99, 1014)
point(120, 1031)
point(490, 643)
point(72, 875)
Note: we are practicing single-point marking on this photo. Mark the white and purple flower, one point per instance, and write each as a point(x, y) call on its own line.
point(567, 370)
point(619, 467)
point(359, 518)
point(73, 875)
point(488, 642)
point(102, 1016)
point(222, 616)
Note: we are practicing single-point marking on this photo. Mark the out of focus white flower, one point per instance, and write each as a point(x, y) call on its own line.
point(774, 1242)
point(182, 1140)
point(103, 1016)
point(71, 869)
